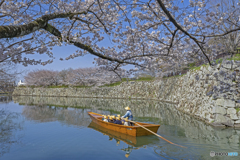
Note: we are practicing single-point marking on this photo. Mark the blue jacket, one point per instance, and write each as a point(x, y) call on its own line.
point(118, 122)
point(129, 115)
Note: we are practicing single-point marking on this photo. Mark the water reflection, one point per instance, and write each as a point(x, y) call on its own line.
point(175, 126)
point(9, 123)
point(5, 99)
point(133, 143)
point(70, 116)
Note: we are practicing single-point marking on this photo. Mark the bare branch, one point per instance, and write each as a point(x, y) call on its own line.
point(2, 2)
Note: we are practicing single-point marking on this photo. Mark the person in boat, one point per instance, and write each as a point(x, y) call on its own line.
point(118, 121)
point(129, 115)
point(126, 122)
point(105, 119)
point(110, 119)
point(114, 118)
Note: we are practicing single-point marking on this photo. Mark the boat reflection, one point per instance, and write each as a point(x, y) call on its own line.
point(133, 143)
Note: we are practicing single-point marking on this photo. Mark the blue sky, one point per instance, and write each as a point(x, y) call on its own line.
point(61, 52)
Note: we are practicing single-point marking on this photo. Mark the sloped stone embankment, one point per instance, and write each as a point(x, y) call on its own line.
point(211, 94)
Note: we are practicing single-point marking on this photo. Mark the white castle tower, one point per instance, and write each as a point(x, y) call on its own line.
point(20, 83)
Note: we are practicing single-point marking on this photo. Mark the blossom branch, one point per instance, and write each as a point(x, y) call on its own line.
point(168, 14)
point(40, 23)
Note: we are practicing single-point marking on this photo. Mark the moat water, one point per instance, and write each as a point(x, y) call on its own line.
point(48, 128)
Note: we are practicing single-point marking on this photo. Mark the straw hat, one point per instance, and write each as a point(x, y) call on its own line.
point(119, 115)
point(110, 117)
point(126, 119)
point(127, 155)
point(118, 118)
point(114, 117)
point(127, 108)
point(105, 117)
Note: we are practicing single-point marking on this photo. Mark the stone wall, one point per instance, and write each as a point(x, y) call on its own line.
point(211, 94)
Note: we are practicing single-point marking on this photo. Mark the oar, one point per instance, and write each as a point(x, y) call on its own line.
point(155, 133)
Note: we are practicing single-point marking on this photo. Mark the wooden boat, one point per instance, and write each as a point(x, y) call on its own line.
point(129, 130)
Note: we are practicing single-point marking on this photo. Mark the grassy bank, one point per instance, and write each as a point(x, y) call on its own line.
point(125, 80)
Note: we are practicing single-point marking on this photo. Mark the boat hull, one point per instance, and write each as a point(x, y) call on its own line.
point(129, 130)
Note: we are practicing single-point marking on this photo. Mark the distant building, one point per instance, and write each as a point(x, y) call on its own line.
point(20, 83)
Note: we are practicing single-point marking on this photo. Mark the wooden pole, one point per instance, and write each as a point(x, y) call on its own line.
point(155, 134)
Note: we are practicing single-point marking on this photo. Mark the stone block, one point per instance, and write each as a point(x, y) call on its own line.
point(224, 120)
point(234, 117)
point(231, 111)
point(237, 121)
point(238, 104)
point(237, 126)
point(228, 122)
point(234, 66)
point(225, 103)
point(219, 110)
point(210, 69)
point(229, 103)
point(220, 118)
point(216, 124)
point(227, 64)
point(237, 69)
point(220, 102)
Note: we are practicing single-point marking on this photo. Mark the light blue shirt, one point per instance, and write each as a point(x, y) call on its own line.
point(129, 115)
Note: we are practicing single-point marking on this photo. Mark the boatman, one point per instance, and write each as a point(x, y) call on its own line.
point(129, 115)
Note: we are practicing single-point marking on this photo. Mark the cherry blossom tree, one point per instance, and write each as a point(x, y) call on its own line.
point(71, 77)
point(232, 40)
point(42, 78)
point(8, 75)
point(145, 34)
point(65, 76)
point(93, 77)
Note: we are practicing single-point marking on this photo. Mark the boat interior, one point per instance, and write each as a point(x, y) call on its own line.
point(99, 118)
